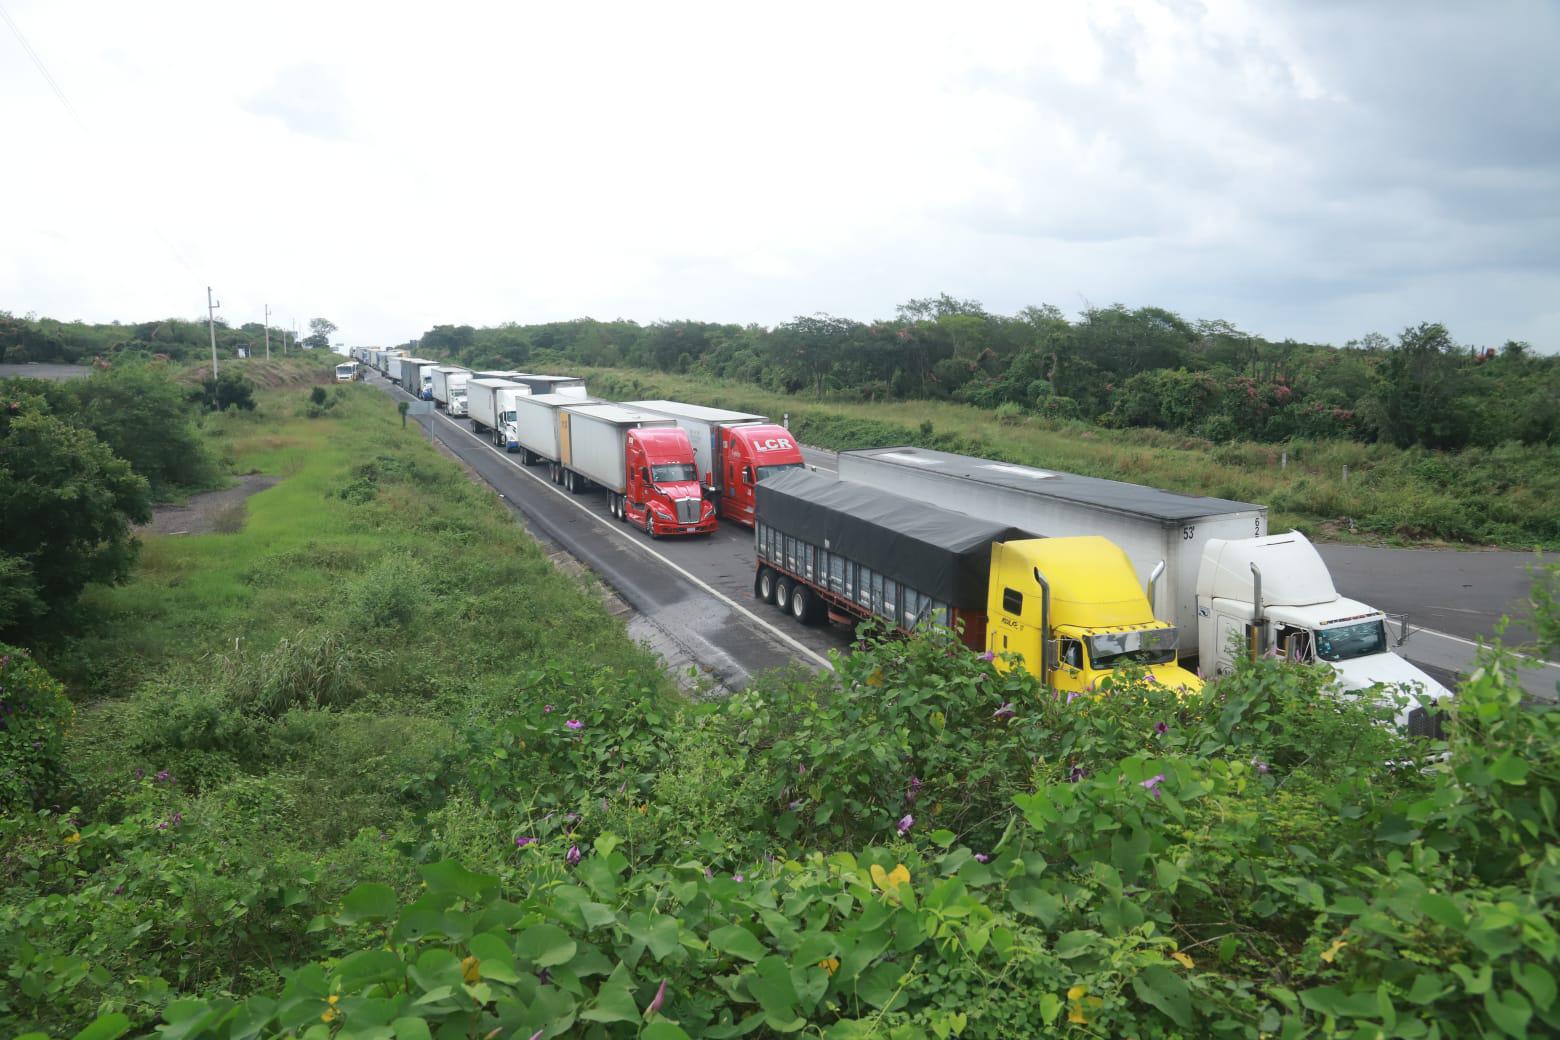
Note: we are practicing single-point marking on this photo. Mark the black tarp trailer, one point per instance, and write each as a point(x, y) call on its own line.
point(830, 548)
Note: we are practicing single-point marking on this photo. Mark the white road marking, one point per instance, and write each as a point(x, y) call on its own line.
point(576, 503)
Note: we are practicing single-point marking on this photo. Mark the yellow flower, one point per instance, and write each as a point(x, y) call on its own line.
point(1186, 961)
point(1079, 1001)
point(333, 999)
point(889, 881)
point(1077, 993)
point(830, 964)
point(1075, 1015)
point(71, 839)
point(329, 1015)
point(644, 808)
point(1332, 951)
point(876, 678)
point(471, 971)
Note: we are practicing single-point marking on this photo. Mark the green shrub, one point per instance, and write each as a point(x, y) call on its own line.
point(34, 715)
point(314, 669)
point(391, 594)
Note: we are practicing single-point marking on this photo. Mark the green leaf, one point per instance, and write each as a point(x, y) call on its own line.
point(1050, 1007)
point(879, 986)
point(771, 986)
point(1162, 988)
point(106, 1027)
point(436, 969)
point(942, 837)
point(1538, 982)
point(1071, 944)
point(368, 902)
point(367, 967)
point(738, 942)
point(614, 1003)
point(1427, 987)
point(663, 1031)
point(662, 937)
point(411, 1029)
point(1509, 769)
point(1442, 910)
point(1037, 903)
point(449, 877)
point(1509, 1010)
point(546, 945)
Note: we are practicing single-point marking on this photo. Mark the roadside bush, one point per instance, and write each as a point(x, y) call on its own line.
point(34, 714)
point(314, 669)
point(391, 594)
point(194, 732)
point(229, 391)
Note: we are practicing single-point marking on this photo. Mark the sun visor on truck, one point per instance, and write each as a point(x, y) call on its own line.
point(938, 553)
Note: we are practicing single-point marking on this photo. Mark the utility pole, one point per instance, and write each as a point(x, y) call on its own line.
point(211, 324)
point(268, 332)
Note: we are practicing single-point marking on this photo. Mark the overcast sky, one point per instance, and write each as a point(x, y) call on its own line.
point(1313, 170)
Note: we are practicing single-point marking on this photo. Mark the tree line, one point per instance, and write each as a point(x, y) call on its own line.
point(1113, 366)
point(32, 339)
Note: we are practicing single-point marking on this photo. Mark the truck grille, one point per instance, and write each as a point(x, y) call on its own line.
point(688, 510)
point(1431, 724)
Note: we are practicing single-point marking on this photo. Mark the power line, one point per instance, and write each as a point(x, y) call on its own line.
point(42, 69)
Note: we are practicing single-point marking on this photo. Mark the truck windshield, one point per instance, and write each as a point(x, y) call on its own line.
point(1347, 642)
point(672, 473)
point(769, 471)
point(1116, 649)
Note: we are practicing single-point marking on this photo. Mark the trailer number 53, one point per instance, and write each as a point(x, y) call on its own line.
point(1188, 533)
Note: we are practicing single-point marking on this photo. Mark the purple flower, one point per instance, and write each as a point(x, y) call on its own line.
point(1004, 713)
point(547, 709)
point(709, 873)
point(988, 656)
point(1160, 729)
point(738, 878)
point(163, 776)
point(1072, 697)
point(604, 805)
point(793, 806)
point(1260, 766)
point(139, 774)
point(522, 842)
point(1151, 785)
point(163, 825)
point(575, 724)
point(544, 976)
point(1076, 773)
point(660, 998)
point(571, 818)
point(537, 1035)
point(981, 857)
point(119, 890)
point(801, 770)
point(905, 823)
point(176, 819)
point(572, 857)
point(913, 791)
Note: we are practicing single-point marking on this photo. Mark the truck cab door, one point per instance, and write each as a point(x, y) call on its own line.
point(1013, 612)
point(1070, 675)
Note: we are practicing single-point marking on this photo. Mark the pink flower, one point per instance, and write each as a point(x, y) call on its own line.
point(572, 857)
point(1004, 713)
point(659, 999)
point(522, 842)
point(575, 724)
point(988, 656)
point(738, 878)
point(981, 857)
point(1160, 729)
point(1151, 785)
point(905, 823)
point(547, 709)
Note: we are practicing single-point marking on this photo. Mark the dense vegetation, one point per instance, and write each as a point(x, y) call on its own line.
point(33, 339)
point(371, 768)
point(1112, 367)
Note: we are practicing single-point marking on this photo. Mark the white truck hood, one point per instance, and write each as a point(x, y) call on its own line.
point(1390, 670)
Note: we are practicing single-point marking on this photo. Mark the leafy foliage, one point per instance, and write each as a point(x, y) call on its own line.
point(33, 716)
point(229, 389)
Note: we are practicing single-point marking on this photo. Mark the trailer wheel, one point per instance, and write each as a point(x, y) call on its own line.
point(764, 585)
point(783, 594)
point(804, 605)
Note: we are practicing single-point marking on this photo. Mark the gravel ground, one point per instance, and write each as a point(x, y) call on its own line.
point(209, 511)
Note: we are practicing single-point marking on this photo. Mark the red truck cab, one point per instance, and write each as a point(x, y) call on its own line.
point(748, 454)
point(661, 484)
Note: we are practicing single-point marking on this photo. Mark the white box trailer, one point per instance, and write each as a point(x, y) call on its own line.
point(414, 374)
point(536, 425)
point(491, 405)
point(1150, 524)
point(703, 426)
point(446, 380)
point(543, 385)
point(592, 439)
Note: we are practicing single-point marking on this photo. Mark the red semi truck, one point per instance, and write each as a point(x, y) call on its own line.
point(733, 451)
point(643, 461)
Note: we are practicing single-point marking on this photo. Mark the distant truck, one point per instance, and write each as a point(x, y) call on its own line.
point(346, 371)
point(415, 375)
point(733, 450)
point(541, 385)
point(1169, 538)
point(642, 460)
point(1069, 609)
point(491, 405)
point(448, 382)
point(535, 429)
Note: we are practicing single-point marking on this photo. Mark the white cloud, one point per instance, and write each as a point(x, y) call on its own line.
point(1314, 172)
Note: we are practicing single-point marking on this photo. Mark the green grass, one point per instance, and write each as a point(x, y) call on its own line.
point(1502, 496)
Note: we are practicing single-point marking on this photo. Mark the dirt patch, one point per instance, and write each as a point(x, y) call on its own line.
point(212, 511)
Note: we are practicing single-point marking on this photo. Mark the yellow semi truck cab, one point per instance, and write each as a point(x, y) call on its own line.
point(1071, 612)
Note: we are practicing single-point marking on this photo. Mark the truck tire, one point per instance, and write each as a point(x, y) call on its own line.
point(764, 585)
point(783, 589)
point(804, 605)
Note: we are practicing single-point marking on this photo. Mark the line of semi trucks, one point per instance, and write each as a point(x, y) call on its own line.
point(1071, 577)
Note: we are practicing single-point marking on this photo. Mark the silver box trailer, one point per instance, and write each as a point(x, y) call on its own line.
point(542, 385)
point(408, 372)
point(703, 426)
point(446, 380)
point(1150, 524)
point(536, 424)
point(488, 399)
point(592, 437)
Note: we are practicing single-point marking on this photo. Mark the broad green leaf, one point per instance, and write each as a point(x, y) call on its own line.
point(1509, 769)
point(367, 967)
point(614, 1003)
point(1037, 903)
point(546, 945)
point(738, 942)
point(1442, 910)
point(411, 1029)
point(1162, 988)
point(368, 902)
point(436, 969)
point(450, 877)
point(1509, 1010)
point(1538, 982)
point(106, 1027)
point(770, 985)
point(879, 986)
point(662, 937)
point(1071, 944)
point(663, 1031)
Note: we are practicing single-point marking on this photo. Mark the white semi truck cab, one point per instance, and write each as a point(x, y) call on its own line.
point(1277, 591)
